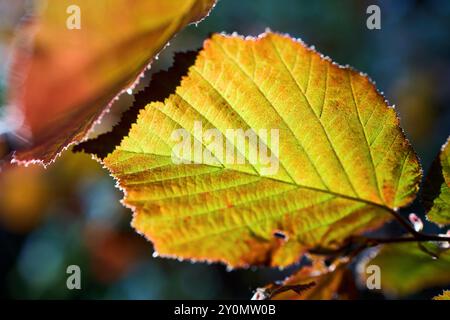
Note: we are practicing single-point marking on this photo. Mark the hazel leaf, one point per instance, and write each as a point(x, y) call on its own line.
point(331, 159)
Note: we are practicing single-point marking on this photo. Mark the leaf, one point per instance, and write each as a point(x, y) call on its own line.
point(407, 269)
point(72, 75)
point(436, 191)
point(343, 161)
point(317, 282)
point(445, 295)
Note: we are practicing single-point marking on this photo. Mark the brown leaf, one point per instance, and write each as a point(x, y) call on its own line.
point(315, 282)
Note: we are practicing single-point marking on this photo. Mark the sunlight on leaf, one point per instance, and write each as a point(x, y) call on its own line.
point(343, 161)
point(443, 296)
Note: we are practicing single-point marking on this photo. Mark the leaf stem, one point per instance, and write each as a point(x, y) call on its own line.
point(368, 242)
point(417, 235)
point(405, 223)
point(421, 238)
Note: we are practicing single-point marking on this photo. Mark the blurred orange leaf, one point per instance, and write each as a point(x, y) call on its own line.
point(64, 79)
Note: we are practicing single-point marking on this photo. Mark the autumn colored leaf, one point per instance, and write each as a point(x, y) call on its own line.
point(64, 79)
point(341, 162)
point(445, 295)
point(315, 282)
point(437, 188)
point(406, 268)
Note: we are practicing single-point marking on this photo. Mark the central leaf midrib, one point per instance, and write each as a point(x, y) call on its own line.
point(330, 192)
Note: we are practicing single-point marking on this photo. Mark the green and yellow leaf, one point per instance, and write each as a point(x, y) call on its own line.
point(407, 269)
point(437, 188)
point(73, 57)
point(343, 161)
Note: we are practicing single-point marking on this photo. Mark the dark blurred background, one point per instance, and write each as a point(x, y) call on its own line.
point(71, 214)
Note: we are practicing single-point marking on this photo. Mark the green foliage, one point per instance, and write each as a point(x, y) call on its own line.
point(437, 188)
point(406, 268)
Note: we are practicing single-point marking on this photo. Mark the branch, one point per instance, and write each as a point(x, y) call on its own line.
point(421, 237)
point(368, 242)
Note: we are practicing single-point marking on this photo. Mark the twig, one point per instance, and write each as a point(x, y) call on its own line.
point(405, 223)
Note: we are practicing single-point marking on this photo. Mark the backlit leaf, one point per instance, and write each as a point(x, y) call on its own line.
point(437, 188)
point(407, 269)
point(64, 79)
point(343, 161)
point(443, 296)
